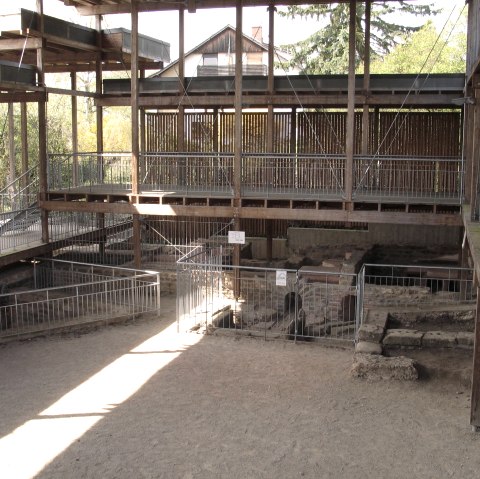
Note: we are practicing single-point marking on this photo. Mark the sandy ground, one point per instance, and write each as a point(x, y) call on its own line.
point(192, 406)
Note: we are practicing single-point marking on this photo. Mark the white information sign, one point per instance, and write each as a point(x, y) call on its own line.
point(281, 277)
point(236, 237)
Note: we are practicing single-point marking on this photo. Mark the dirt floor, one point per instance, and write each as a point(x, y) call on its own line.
point(139, 401)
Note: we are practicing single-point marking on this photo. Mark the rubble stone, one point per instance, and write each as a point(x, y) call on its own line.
point(371, 332)
point(439, 339)
point(465, 339)
point(375, 367)
point(403, 338)
point(366, 347)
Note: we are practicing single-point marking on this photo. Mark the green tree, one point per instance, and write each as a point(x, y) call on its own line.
point(427, 52)
point(326, 51)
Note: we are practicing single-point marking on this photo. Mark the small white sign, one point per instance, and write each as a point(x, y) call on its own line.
point(236, 237)
point(281, 278)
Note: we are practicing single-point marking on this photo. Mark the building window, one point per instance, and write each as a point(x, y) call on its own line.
point(210, 59)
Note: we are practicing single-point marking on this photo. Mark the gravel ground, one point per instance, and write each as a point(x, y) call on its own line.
point(141, 401)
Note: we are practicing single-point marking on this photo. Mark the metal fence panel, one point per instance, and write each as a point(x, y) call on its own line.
point(398, 286)
point(87, 293)
point(263, 301)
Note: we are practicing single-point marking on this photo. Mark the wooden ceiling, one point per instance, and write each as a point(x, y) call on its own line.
point(101, 7)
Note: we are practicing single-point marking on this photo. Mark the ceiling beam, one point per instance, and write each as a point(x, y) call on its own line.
point(251, 101)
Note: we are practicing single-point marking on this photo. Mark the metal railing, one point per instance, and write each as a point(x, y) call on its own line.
point(418, 179)
point(421, 179)
point(89, 170)
point(304, 175)
point(210, 173)
point(88, 293)
point(20, 193)
point(19, 228)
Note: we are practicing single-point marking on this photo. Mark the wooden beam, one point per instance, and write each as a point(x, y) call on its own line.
point(66, 91)
point(110, 66)
point(162, 5)
point(19, 44)
point(339, 215)
point(23, 97)
point(282, 100)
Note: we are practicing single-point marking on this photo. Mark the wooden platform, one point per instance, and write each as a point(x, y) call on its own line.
point(289, 205)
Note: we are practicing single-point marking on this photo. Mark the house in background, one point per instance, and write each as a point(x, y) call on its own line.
point(216, 56)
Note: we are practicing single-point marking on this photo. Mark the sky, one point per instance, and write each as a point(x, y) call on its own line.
point(202, 24)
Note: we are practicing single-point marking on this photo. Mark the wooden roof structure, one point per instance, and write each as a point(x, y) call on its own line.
point(70, 47)
point(102, 7)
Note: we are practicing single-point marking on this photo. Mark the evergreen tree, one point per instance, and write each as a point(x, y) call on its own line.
point(326, 51)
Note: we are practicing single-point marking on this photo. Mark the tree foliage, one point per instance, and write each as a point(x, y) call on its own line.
point(326, 51)
point(427, 52)
point(116, 122)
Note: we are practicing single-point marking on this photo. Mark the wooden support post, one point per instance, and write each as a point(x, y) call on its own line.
point(376, 130)
point(237, 162)
point(102, 238)
point(98, 90)
point(270, 79)
point(475, 396)
point(134, 98)
point(293, 131)
point(73, 80)
point(42, 126)
point(366, 81)
point(473, 186)
point(215, 129)
point(236, 261)
point(24, 135)
point(269, 234)
point(11, 149)
point(350, 134)
point(143, 156)
point(137, 242)
point(468, 154)
point(464, 254)
point(182, 176)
